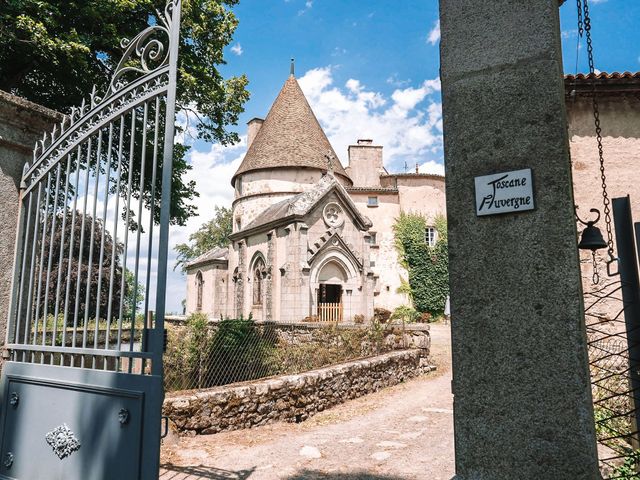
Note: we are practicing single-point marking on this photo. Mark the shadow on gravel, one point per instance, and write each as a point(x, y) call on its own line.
point(172, 472)
point(315, 475)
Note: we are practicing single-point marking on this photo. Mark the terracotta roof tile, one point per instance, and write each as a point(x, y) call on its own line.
point(290, 137)
point(616, 83)
point(603, 76)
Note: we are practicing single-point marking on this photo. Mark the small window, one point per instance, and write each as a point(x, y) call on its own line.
point(372, 201)
point(238, 224)
point(371, 239)
point(372, 263)
point(199, 286)
point(430, 236)
point(239, 186)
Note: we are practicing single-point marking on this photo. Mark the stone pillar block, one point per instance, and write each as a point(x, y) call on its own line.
point(522, 405)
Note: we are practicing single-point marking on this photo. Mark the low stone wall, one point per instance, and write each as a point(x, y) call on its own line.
point(396, 337)
point(292, 398)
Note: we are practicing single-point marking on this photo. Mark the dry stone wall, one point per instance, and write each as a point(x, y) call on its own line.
point(291, 398)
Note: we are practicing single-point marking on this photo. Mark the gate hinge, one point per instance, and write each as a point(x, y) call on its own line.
point(6, 354)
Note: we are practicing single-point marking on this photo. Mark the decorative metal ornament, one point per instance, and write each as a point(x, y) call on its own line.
point(123, 416)
point(63, 441)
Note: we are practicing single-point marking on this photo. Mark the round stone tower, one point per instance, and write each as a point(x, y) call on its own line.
point(287, 153)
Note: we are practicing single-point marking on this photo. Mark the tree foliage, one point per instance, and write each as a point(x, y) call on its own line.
point(428, 267)
point(86, 276)
point(54, 51)
point(212, 234)
point(80, 277)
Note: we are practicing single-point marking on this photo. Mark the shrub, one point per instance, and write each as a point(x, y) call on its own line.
point(428, 267)
point(425, 317)
point(381, 315)
point(358, 319)
point(405, 313)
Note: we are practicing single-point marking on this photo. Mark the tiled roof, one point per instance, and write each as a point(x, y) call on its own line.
point(603, 76)
point(407, 175)
point(221, 254)
point(372, 189)
point(290, 137)
point(605, 84)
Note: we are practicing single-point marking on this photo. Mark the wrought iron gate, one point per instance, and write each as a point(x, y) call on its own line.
point(612, 314)
point(81, 391)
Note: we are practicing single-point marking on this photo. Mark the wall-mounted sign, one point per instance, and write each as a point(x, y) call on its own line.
point(504, 192)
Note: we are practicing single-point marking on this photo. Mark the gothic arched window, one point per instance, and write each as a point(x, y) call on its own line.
point(259, 274)
point(199, 285)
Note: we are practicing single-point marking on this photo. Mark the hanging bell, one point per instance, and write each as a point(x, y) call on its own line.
point(592, 238)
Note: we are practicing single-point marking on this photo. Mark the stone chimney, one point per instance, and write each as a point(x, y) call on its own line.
point(365, 163)
point(253, 126)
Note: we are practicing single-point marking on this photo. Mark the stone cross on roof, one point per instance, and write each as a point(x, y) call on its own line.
point(330, 157)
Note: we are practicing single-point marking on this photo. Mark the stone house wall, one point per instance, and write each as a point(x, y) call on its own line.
point(291, 398)
point(620, 121)
point(22, 123)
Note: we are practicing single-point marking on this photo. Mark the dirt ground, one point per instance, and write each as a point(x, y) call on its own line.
point(403, 432)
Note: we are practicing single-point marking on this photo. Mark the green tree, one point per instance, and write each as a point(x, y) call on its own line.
point(54, 51)
point(428, 266)
point(212, 234)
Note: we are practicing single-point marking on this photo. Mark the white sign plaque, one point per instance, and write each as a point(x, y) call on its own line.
point(504, 192)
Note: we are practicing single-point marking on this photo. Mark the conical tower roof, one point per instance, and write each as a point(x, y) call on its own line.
point(290, 137)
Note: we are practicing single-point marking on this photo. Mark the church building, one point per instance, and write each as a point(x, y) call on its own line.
point(311, 239)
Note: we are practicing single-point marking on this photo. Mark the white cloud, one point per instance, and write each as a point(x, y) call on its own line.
point(237, 49)
point(307, 6)
point(212, 171)
point(433, 167)
point(434, 34)
point(408, 124)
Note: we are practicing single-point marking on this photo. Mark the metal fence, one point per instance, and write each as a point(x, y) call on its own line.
point(203, 354)
point(613, 403)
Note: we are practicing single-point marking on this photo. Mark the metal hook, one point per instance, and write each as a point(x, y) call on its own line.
point(592, 222)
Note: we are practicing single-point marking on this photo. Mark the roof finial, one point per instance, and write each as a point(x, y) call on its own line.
point(329, 156)
point(292, 71)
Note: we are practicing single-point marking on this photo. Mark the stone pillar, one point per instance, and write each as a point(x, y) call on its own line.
point(522, 404)
point(241, 279)
point(22, 123)
point(271, 270)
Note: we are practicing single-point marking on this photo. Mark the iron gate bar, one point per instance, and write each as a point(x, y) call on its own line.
point(628, 267)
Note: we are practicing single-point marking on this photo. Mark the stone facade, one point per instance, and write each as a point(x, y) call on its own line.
point(22, 123)
point(323, 232)
point(291, 398)
point(619, 107)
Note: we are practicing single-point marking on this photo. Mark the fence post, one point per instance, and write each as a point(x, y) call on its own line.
point(628, 265)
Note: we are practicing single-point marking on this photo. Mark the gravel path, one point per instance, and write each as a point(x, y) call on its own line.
point(403, 432)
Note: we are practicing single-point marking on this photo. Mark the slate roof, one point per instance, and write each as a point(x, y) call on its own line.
point(220, 254)
point(302, 203)
point(290, 137)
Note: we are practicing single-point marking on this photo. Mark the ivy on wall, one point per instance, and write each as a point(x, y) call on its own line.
point(428, 266)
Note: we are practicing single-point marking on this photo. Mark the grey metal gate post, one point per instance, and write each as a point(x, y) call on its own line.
point(81, 395)
point(630, 283)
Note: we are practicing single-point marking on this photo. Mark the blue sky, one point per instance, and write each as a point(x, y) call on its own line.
point(369, 70)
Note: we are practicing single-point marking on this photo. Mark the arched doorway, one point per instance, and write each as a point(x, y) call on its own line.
point(331, 280)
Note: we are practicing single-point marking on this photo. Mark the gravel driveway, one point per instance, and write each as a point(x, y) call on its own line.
point(403, 432)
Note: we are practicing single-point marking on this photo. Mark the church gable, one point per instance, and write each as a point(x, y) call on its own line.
point(332, 240)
